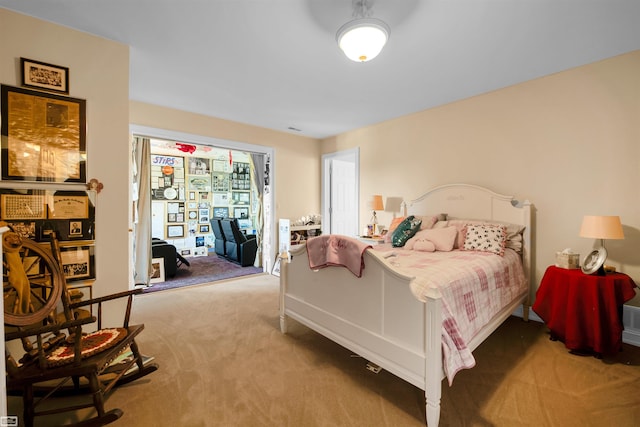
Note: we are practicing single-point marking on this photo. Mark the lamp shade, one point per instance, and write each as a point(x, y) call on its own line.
point(393, 204)
point(601, 227)
point(362, 39)
point(376, 203)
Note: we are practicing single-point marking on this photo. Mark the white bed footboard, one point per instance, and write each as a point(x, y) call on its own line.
point(368, 315)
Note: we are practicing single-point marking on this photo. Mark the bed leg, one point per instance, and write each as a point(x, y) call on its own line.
point(283, 323)
point(525, 311)
point(284, 261)
point(433, 360)
point(526, 305)
point(433, 414)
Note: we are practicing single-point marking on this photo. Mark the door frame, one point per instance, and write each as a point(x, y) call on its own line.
point(352, 155)
point(268, 201)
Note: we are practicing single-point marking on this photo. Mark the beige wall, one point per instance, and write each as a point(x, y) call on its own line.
point(99, 73)
point(297, 159)
point(568, 142)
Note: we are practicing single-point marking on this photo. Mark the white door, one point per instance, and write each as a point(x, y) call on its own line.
point(340, 192)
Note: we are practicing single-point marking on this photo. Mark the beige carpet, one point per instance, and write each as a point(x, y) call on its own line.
point(224, 362)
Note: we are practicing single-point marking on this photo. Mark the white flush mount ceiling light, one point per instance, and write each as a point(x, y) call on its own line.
point(362, 39)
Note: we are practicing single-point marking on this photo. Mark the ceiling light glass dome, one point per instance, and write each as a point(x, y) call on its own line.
point(362, 39)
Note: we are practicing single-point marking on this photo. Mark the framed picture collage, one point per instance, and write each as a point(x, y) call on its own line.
point(44, 148)
point(187, 192)
point(37, 214)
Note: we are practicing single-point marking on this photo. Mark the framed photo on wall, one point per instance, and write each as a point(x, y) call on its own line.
point(220, 212)
point(40, 75)
point(175, 231)
point(203, 216)
point(43, 136)
point(23, 206)
point(77, 262)
point(199, 166)
point(241, 213)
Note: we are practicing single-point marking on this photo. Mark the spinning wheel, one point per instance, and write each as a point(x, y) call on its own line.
point(57, 356)
point(32, 281)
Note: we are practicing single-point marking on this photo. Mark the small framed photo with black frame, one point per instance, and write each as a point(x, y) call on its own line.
point(78, 262)
point(75, 229)
point(204, 228)
point(43, 76)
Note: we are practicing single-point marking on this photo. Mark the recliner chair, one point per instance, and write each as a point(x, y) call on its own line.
point(220, 240)
point(240, 248)
point(172, 259)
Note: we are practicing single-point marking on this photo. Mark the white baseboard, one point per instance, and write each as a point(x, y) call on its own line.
point(532, 314)
point(630, 320)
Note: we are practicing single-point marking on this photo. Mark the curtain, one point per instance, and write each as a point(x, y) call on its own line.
point(142, 211)
point(257, 174)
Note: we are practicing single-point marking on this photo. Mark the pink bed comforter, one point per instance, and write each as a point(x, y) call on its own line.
point(475, 286)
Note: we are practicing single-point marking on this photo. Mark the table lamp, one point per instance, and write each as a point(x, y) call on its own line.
point(599, 227)
point(393, 205)
point(376, 205)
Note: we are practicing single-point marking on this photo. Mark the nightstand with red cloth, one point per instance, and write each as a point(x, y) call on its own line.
point(582, 310)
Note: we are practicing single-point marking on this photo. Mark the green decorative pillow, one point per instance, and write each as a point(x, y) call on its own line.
point(405, 231)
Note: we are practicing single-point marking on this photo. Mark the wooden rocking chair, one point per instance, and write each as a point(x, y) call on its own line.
point(56, 356)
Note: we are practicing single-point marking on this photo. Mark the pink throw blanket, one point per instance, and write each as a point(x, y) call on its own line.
point(335, 250)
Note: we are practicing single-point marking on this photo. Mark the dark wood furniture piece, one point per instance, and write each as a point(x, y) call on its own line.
point(582, 310)
point(53, 360)
point(240, 248)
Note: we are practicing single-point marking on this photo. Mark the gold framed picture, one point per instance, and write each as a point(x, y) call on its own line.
point(43, 136)
point(22, 206)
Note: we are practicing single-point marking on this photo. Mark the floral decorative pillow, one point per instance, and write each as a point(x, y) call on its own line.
point(485, 238)
point(405, 231)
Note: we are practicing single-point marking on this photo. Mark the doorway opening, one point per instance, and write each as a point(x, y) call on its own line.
point(194, 182)
point(341, 192)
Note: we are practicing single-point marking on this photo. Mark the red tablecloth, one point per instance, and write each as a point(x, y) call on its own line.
point(584, 310)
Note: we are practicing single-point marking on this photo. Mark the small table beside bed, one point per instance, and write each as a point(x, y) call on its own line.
point(419, 308)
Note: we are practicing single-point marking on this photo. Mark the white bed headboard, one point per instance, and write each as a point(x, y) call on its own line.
point(468, 201)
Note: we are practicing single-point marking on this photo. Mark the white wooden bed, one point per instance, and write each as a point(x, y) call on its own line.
point(377, 316)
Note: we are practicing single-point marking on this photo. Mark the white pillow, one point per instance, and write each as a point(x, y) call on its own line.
point(442, 239)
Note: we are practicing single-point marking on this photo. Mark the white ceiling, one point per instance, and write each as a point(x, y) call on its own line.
point(275, 63)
